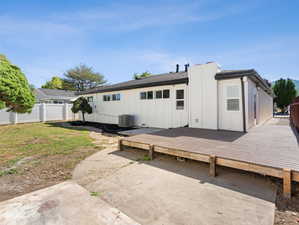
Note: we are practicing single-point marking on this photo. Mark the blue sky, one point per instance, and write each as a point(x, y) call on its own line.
point(119, 38)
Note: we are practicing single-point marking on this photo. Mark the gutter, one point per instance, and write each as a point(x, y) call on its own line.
point(243, 105)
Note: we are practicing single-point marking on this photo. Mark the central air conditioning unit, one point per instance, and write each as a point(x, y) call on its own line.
point(126, 120)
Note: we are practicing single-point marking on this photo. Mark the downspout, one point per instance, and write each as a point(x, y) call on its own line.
point(243, 105)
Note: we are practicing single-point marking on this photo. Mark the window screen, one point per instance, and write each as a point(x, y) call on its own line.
point(166, 93)
point(142, 95)
point(180, 105)
point(158, 94)
point(106, 98)
point(233, 104)
point(117, 97)
point(150, 95)
point(179, 94)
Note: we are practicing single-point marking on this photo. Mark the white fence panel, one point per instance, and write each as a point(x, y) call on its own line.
point(40, 112)
point(5, 117)
point(54, 112)
point(34, 116)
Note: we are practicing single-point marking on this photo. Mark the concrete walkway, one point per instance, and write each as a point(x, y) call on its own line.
point(63, 204)
point(166, 191)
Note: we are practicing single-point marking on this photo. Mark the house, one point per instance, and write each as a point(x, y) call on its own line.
point(44, 95)
point(201, 96)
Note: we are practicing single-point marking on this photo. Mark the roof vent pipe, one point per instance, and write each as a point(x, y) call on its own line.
point(186, 67)
point(177, 68)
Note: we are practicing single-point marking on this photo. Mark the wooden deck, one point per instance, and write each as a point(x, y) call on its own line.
point(270, 149)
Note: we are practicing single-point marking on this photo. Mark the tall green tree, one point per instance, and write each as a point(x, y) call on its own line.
point(15, 92)
point(138, 76)
point(81, 105)
point(54, 83)
point(83, 77)
point(285, 92)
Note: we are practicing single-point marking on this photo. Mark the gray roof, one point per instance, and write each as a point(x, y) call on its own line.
point(44, 93)
point(177, 78)
point(251, 74)
point(151, 81)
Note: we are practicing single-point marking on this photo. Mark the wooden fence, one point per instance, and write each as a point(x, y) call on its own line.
point(294, 113)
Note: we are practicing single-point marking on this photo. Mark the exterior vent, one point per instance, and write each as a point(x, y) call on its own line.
point(126, 120)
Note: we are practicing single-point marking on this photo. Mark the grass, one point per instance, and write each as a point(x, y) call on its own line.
point(94, 193)
point(145, 158)
point(39, 140)
point(9, 171)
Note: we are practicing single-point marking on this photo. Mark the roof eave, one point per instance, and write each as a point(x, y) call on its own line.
point(161, 83)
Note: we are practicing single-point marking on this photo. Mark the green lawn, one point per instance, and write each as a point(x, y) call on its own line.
point(40, 140)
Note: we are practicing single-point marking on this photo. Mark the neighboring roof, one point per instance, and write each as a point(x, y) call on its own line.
point(151, 81)
point(252, 74)
point(44, 93)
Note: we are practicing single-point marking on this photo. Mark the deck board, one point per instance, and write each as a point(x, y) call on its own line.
point(272, 144)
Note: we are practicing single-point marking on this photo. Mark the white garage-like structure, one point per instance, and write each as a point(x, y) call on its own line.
point(201, 96)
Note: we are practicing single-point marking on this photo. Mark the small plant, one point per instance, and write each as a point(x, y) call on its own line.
point(8, 172)
point(94, 193)
point(145, 158)
point(81, 104)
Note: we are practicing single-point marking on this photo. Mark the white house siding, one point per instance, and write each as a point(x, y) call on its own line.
point(265, 106)
point(203, 93)
point(250, 92)
point(154, 112)
point(230, 120)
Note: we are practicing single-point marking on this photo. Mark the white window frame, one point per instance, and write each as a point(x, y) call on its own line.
point(232, 97)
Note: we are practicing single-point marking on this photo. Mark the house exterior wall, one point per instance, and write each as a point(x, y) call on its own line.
point(203, 94)
point(154, 112)
point(208, 103)
point(257, 97)
point(265, 106)
point(250, 93)
point(230, 119)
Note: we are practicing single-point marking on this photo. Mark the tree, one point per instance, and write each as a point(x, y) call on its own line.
point(138, 76)
point(54, 83)
point(83, 77)
point(285, 92)
point(81, 104)
point(15, 92)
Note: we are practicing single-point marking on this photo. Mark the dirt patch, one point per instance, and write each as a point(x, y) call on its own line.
point(41, 172)
point(287, 210)
point(21, 175)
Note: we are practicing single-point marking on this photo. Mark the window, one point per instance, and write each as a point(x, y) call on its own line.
point(106, 98)
point(150, 95)
point(180, 102)
point(115, 97)
point(233, 98)
point(90, 99)
point(179, 94)
point(158, 94)
point(142, 95)
point(233, 105)
point(180, 105)
point(166, 93)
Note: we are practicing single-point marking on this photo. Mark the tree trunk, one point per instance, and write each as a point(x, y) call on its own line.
point(83, 117)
